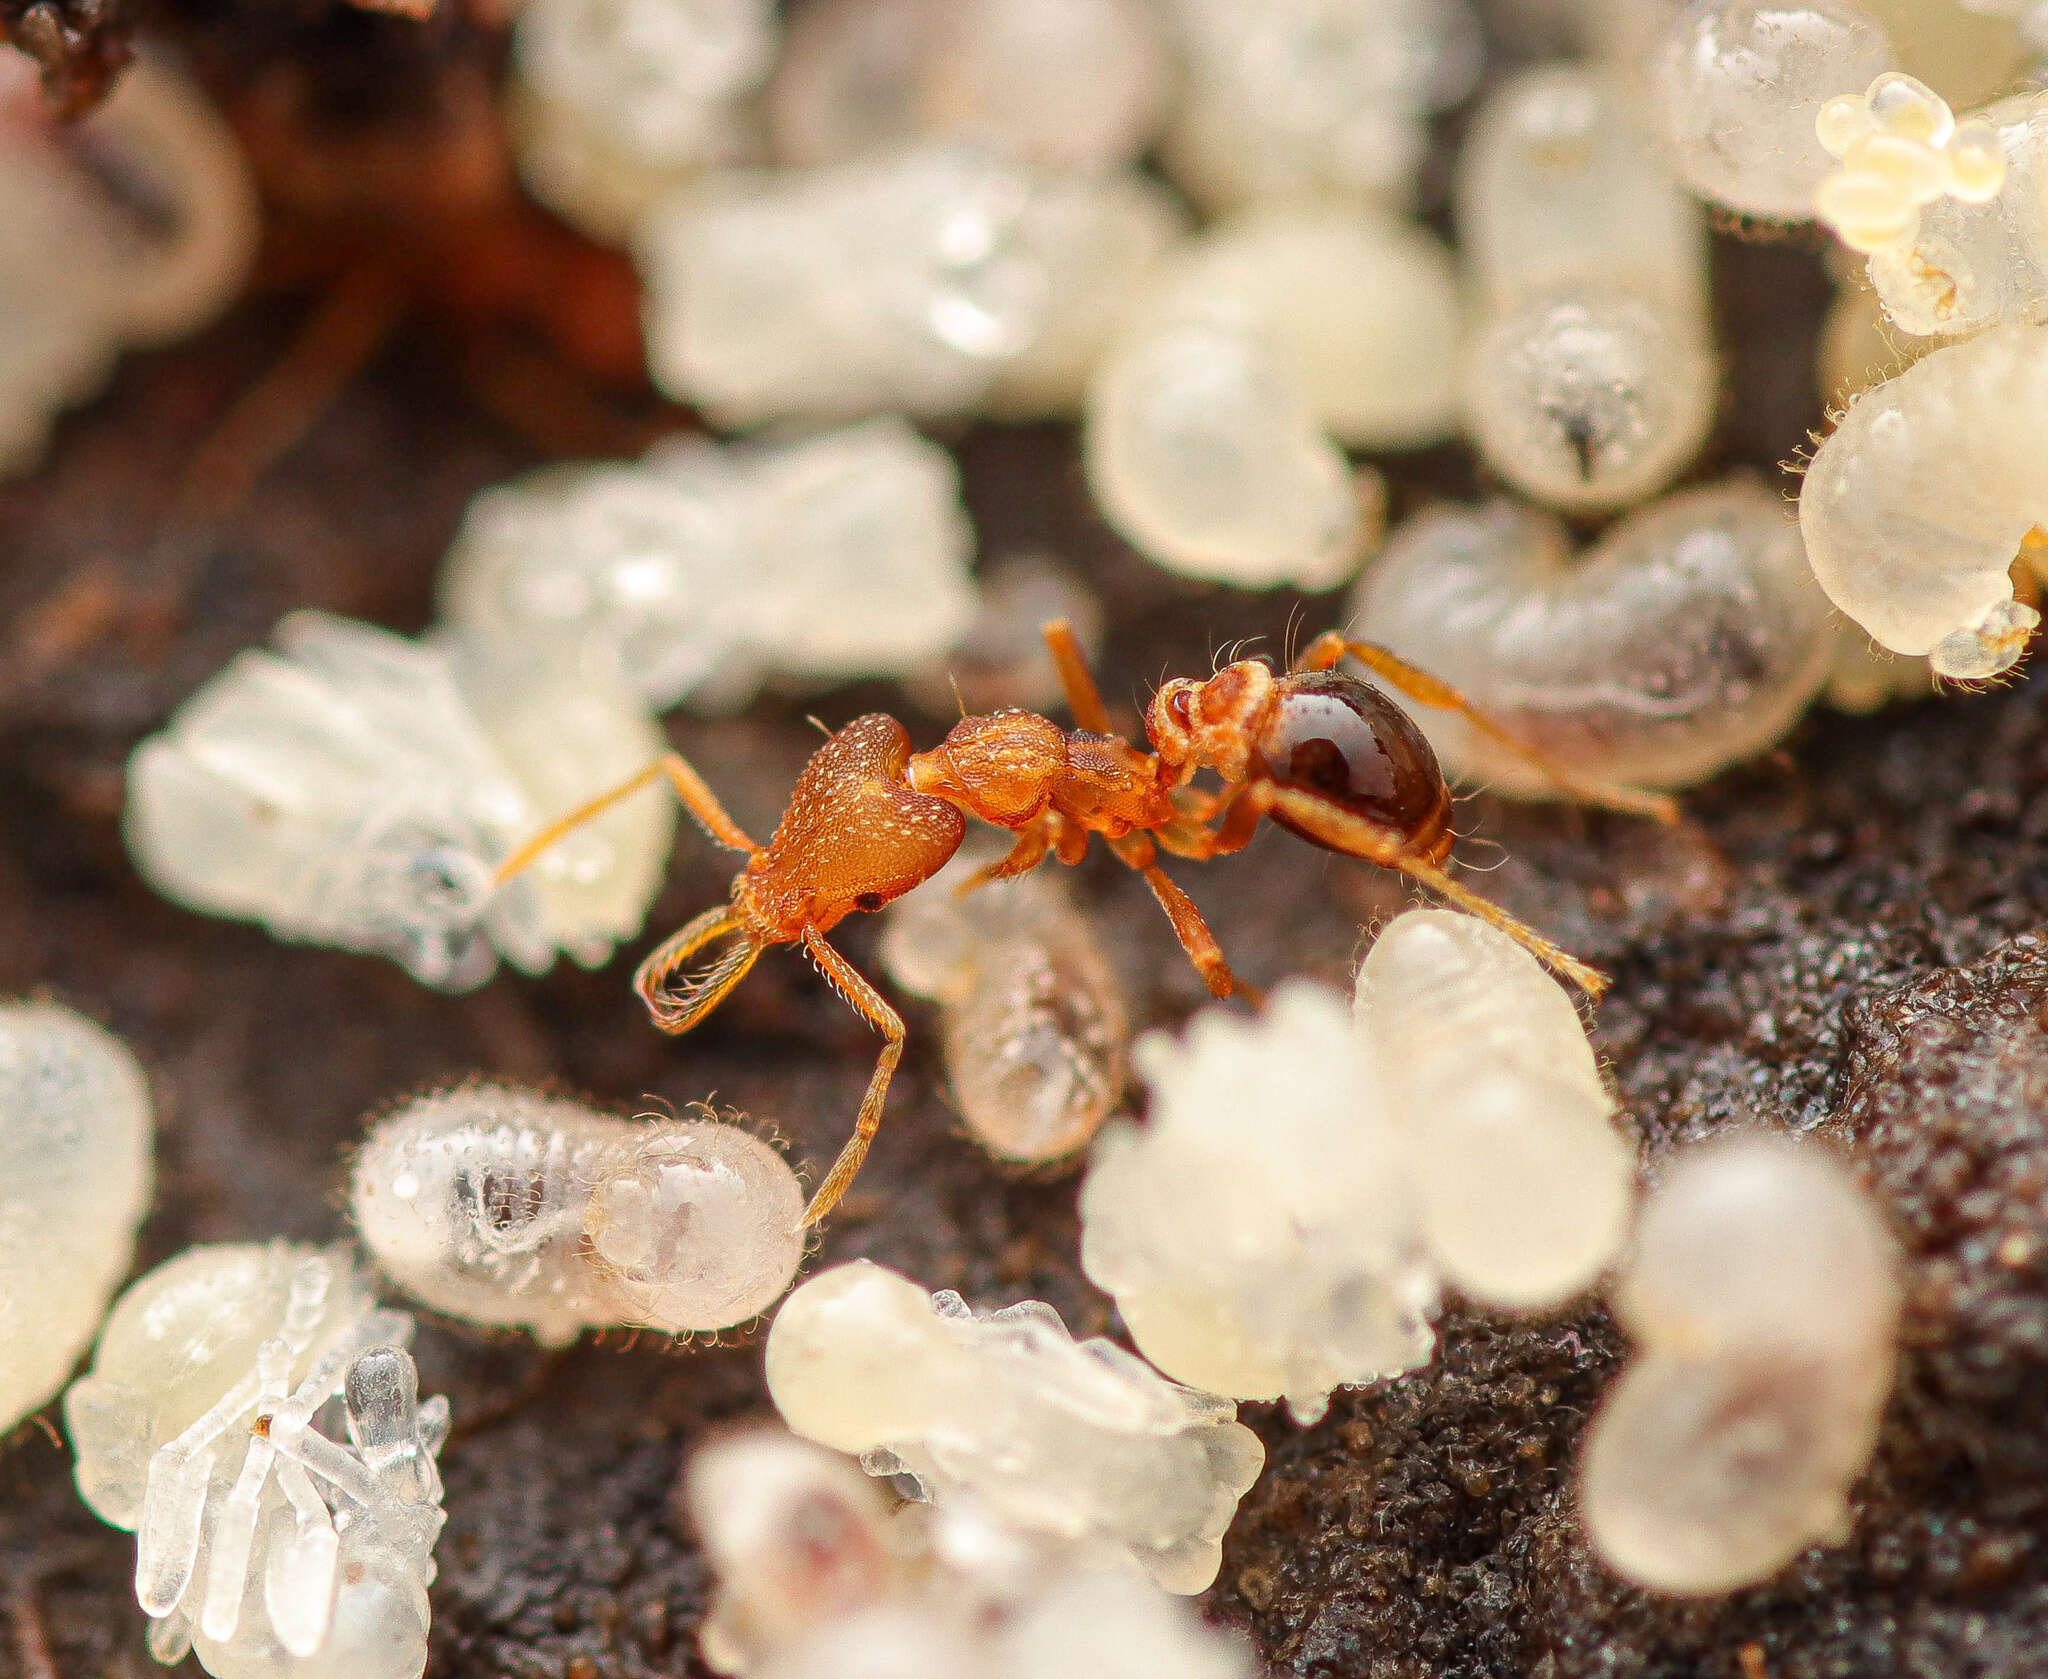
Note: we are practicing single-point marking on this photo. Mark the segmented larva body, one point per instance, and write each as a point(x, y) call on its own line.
point(1589, 379)
point(1689, 637)
point(1916, 506)
point(1035, 1030)
point(504, 1206)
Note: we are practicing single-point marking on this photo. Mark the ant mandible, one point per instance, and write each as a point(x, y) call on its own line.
point(1323, 754)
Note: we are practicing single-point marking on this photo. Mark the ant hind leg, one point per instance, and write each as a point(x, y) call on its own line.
point(847, 981)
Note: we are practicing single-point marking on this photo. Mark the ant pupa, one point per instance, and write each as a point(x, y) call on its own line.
point(253, 1418)
point(1590, 379)
point(1066, 84)
point(1319, 752)
point(77, 1145)
point(1079, 1439)
point(504, 1206)
point(134, 227)
point(1917, 505)
point(703, 570)
point(1763, 1295)
point(934, 281)
point(356, 789)
point(1689, 637)
point(1033, 1025)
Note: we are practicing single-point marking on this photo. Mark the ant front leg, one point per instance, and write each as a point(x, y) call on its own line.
point(1330, 649)
point(1193, 932)
point(847, 981)
point(690, 787)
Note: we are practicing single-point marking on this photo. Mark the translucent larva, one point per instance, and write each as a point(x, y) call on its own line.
point(1736, 86)
point(702, 570)
point(1763, 1296)
point(357, 789)
point(1589, 380)
point(933, 281)
point(1035, 1031)
point(77, 1141)
point(253, 1418)
point(1689, 637)
point(615, 102)
point(1917, 504)
point(85, 271)
point(1523, 1184)
point(1080, 1440)
point(504, 1206)
point(1068, 84)
point(1946, 212)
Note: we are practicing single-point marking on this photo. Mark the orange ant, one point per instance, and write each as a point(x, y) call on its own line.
point(1323, 754)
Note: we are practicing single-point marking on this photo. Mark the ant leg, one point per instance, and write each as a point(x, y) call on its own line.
point(1330, 648)
point(1242, 807)
point(1354, 836)
point(678, 1008)
point(1032, 846)
point(1188, 925)
point(697, 798)
point(847, 981)
point(1084, 699)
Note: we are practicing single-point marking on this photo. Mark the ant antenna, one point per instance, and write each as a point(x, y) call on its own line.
point(953, 682)
point(812, 719)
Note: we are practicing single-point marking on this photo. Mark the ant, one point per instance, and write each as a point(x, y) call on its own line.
point(1324, 754)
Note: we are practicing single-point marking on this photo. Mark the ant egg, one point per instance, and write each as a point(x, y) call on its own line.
point(1035, 1030)
point(1523, 1183)
point(1079, 1440)
point(1737, 86)
point(1258, 1232)
point(1763, 1295)
point(1946, 212)
point(703, 569)
point(208, 1426)
point(614, 102)
point(935, 281)
point(1688, 638)
point(135, 226)
point(1066, 84)
point(1591, 381)
point(1313, 99)
point(1915, 507)
point(503, 1206)
point(77, 1144)
point(357, 789)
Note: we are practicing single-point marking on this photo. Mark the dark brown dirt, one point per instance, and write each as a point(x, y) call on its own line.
point(1814, 951)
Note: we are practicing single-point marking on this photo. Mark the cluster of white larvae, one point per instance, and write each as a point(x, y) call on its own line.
point(501, 1205)
point(819, 1579)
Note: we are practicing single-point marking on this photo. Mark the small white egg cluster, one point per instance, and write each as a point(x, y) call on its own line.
point(357, 789)
point(1763, 1295)
point(817, 1579)
point(1079, 1441)
point(501, 1205)
point(77, 1146)
point(255, 1421)
point(1901, 149)
point(84, 272)
point(1689, 637)
point(1034, 1028)
point(703, 570)
point(1306, 1181)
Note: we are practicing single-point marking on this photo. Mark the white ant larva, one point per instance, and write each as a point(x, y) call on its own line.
point(1917, 505)
point(1035, 1031)
point(135, 227)
point(77, 1139)
point(1590, 379)
point(1763, 1296)
point(1080, 1439)
point(1067, 84)
point(357, 789)
point(1689, 637)
point(210, 1425)
point(504, 1206)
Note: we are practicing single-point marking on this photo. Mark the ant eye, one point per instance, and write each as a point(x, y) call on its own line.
point(1347, 743)
point(1182, 705)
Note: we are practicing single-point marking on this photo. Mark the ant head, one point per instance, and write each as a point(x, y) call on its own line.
point(1000, 768)
point(1212, 724)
